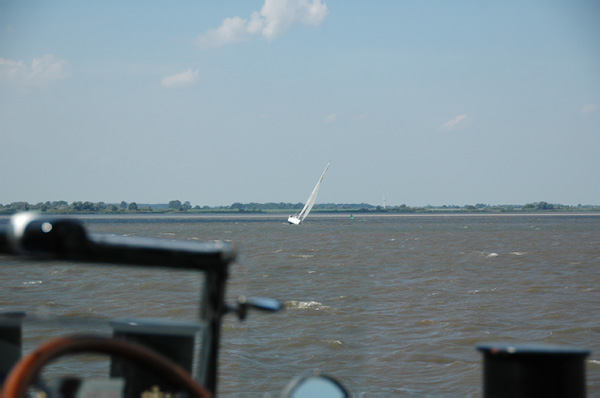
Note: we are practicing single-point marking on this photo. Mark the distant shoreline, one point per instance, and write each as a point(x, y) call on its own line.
point(282, 216)
point(237, 208)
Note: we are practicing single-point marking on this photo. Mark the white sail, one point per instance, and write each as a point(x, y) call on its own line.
point(299, 217)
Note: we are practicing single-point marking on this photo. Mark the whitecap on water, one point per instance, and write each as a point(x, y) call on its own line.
point(305, 305)
point(476, 291)
point(302, 256)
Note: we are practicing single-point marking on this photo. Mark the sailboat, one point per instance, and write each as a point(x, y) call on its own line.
point(297, 218)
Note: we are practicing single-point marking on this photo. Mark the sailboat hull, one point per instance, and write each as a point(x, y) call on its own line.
point(294, 220)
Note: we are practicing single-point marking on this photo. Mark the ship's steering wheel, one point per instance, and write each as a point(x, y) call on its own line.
point(28, 368)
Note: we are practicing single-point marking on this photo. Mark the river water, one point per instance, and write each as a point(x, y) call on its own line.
point(389, 305)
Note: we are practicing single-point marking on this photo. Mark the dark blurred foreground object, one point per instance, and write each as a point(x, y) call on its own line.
point(173, 339)
point(10, 341)
point(46, 238)
point(534, 370)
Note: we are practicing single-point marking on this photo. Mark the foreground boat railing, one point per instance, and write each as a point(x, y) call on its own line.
point(38, 237)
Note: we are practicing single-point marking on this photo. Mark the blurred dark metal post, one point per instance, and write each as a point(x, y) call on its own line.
point(513, 370)
point(10, 341)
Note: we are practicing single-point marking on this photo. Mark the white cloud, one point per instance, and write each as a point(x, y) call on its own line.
point(232, 30)
point(589, 108)
point(454, 123)
point(42, 70)
point(274, 18)
point(332, 117)
point(181, 79)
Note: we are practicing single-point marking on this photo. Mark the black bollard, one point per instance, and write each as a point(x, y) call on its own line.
point(173, 339)
point(519, 370)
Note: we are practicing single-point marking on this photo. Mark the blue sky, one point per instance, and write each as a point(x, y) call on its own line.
point(425, 102)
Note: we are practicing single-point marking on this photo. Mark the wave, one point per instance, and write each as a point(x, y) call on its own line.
point(302, 256)
point(306, 305)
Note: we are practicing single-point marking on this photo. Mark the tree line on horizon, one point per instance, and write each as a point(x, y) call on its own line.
point(62, 206)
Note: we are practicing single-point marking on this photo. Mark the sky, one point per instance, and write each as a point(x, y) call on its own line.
point(420, 102)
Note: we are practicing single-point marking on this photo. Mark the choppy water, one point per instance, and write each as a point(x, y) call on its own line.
point(390, 305)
